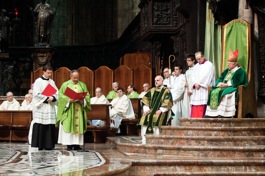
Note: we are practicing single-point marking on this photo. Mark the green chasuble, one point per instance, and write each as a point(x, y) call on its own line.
point(133, 95)
point(74, 117)
point(239, 77)
point(112, 94)
point(154, 99)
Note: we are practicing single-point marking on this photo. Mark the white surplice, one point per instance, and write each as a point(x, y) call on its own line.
point(204, 75)
point(121, 108)
point(168, 82)
point(177, 91)
point(186, 108)
point(142, 94)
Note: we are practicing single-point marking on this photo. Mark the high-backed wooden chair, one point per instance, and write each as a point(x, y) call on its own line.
point(133, 60)
point(237, 35)
point(87, 76)
point(61, 75)
point(142, 74)
point(124, 76)
point(36, 74)
point(104, 79)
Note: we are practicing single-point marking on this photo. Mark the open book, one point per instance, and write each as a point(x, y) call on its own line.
point(74, 95)
point(49, 90)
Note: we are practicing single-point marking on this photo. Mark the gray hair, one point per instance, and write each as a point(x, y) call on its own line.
point(73, 71)
point(115, 84)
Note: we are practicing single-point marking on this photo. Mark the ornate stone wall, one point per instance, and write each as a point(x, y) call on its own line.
point(173, 29)
point(259, 8)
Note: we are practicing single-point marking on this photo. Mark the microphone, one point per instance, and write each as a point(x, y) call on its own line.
point(82, 90)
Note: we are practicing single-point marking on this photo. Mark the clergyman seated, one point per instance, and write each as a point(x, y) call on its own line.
point(121, 107)
point(222, 98)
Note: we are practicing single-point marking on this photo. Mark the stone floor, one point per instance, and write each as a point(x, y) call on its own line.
point(96, 159)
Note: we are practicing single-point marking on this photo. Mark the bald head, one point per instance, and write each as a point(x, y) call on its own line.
point(158, 81)
point(98, 92)
point(9, 96)
point(146, 87)
point(28, 98)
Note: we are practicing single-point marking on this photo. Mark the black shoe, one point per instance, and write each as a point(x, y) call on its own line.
point(49, 149)
point(69, 147)
point(77, 147)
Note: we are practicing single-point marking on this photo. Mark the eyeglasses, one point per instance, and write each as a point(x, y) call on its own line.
point(188, 60)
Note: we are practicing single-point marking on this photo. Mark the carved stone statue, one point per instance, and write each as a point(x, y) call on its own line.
point(44, 16)
point(4, 31)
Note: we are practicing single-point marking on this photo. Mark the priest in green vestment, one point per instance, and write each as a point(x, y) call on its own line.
point(72, 112)
point(113, 93)
point(156, 104)
point(222, 98)
point(132, 92)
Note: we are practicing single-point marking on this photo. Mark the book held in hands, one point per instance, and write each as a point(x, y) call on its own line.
point(74, 95)
point(49, 90)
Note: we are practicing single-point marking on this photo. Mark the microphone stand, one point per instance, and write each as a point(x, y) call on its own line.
point(84, 145)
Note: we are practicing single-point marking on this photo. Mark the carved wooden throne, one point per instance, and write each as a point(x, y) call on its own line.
point(237, 35)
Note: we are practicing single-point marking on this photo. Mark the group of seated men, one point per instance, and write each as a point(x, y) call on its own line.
point(12, 104)
point(121, 106)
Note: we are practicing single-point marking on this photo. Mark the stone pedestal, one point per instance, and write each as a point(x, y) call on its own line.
point(42, 56)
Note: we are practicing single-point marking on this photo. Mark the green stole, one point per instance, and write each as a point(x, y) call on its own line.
point(151, 118)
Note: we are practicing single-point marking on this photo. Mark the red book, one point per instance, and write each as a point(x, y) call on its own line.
point(49, 90)
point(74, 95)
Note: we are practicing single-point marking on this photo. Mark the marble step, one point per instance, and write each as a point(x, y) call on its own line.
point(152, 159)
point(213, 131)
point(205, 140)
point(223, 122)
point(156, 165)
point(210, 174)
point(193, 151)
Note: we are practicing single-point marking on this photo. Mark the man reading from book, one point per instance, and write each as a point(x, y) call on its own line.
point(73, 104)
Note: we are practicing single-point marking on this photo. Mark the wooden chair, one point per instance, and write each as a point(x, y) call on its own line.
point(124, 76)
point(61, 75)
point(142, 74)
point(99, 112)
point(104, 79)
point(240, 39)
point(132, 60)
point(5, 126)
point(87, 76)
point(20, 125)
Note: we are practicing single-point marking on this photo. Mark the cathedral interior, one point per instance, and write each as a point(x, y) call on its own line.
point(104, 35)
